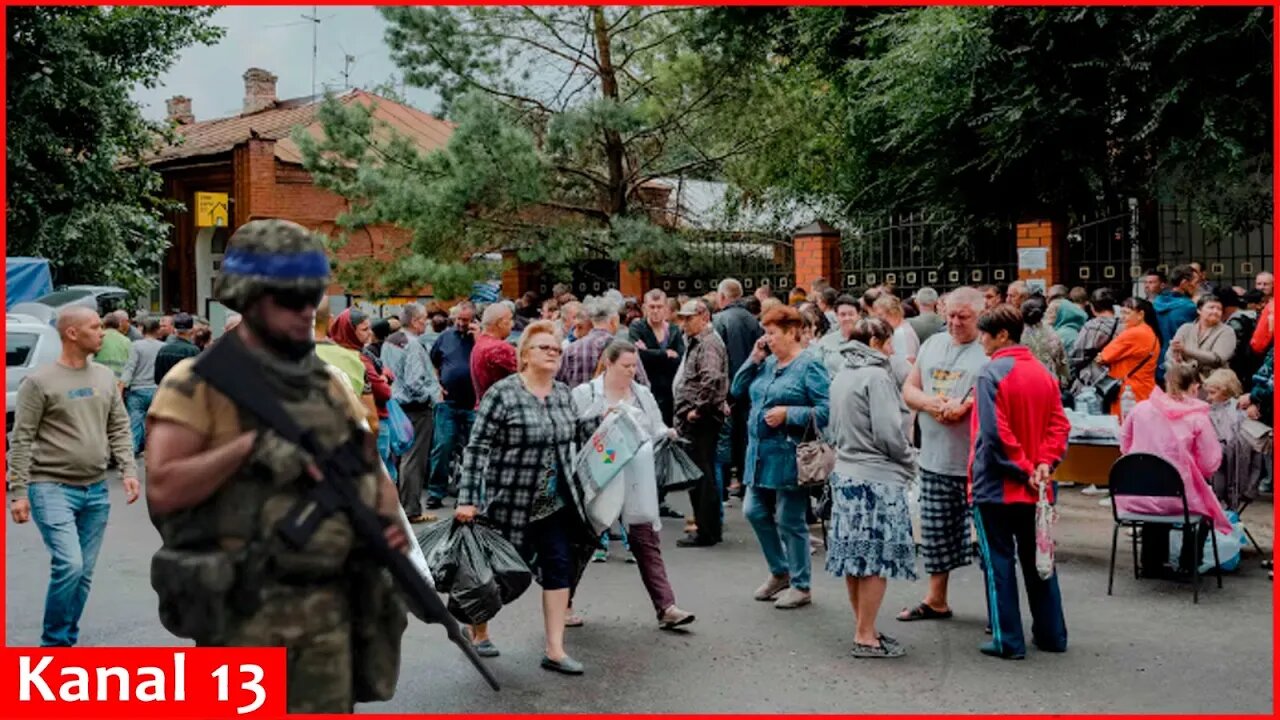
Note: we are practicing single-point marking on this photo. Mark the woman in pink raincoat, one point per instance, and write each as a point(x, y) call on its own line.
point(1175, 425)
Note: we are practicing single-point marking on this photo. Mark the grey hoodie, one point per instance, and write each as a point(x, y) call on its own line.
point(866, 419)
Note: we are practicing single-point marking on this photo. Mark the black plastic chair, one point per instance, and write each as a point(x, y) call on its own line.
point(1144, 475)
point(1244, 505)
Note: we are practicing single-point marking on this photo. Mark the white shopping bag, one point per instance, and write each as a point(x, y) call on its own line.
point(640, 503)
point(610, 448)
point(605, 507)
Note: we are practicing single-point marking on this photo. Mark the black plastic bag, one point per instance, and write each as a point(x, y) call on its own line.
point(476, 566)
point(675, 469)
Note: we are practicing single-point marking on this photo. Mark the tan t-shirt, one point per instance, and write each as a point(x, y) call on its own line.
point(186, 399)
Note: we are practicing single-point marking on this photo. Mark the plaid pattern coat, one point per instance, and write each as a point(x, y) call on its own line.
point(514, 438)
point(582, 356)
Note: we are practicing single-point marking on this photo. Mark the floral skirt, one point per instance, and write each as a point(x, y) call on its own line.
point(870, 530)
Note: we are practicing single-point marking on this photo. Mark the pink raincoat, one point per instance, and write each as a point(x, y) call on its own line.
point(1178, 431)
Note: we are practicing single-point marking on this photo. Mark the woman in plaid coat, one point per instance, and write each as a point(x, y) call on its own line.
point(518, 472)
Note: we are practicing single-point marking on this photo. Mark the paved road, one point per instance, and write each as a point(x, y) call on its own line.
point(1146, 649)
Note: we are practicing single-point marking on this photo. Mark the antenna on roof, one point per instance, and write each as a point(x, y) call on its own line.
point(347, 62)
point(315, 29)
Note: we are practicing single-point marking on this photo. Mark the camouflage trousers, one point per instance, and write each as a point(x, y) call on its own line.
point(313, 624)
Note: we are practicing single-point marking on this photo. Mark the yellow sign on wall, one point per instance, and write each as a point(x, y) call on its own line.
point(211, 209)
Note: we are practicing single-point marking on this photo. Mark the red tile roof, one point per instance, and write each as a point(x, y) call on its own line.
point(213, 137)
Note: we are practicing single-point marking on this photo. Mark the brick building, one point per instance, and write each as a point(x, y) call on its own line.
point(253, 160)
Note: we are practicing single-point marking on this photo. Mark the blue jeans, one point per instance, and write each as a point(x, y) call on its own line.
point(72, 521)
point(777, 516)
point(452, 431)
point(137, 403)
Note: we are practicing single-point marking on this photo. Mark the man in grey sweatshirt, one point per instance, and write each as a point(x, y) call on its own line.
point(138, 379)
point(68, 421)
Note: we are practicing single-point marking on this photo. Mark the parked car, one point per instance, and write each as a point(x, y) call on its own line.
point(29, 343)
point(102, 298)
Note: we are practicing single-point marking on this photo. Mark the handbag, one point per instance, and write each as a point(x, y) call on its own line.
point(815, 459)
point(1109, 387)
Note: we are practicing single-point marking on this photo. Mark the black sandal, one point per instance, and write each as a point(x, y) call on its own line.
point(883, 650)
point(922, 612)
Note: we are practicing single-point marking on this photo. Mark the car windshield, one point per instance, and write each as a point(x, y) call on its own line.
point(62, 297)
point(18, 348)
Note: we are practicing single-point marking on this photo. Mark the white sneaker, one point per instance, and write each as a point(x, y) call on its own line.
point(1095, 490)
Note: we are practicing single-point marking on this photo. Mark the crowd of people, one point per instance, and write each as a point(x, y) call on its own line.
point(962, 396)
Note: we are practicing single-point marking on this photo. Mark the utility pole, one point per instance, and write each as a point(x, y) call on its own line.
point(315, 29)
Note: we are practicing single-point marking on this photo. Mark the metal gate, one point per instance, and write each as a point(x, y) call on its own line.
point(1115, 248)
point(751, 260)
point(915, 250)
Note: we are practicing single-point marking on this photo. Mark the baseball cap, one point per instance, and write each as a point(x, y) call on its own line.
point(691, 308)
point(183, 321)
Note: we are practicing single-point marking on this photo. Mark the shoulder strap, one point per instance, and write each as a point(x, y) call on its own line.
point(229, 368)
point(1138, 367)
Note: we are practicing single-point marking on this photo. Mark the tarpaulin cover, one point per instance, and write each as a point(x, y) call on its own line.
point(25, 279)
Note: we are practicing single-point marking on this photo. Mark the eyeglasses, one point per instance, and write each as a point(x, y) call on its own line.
point(549, 349)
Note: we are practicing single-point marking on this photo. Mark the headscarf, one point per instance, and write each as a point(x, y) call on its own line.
point(343, 329)
point(1068, 323)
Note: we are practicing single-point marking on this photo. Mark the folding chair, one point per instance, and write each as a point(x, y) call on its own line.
point(1244, 504)
point(1143, 475)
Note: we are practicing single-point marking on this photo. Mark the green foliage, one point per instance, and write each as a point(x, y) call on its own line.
point(564, 116)
point(71, 122)
point(998, 113)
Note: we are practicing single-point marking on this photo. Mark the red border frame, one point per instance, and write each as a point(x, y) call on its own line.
point(7, 704)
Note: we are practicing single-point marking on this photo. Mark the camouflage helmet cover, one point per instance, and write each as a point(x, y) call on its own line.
point(270, 255)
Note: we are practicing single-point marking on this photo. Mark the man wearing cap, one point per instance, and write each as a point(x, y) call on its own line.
point(220, 481)
point(181, 347)
point(699, 391)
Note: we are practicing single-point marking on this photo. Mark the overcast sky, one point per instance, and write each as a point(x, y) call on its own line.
point(278, 39)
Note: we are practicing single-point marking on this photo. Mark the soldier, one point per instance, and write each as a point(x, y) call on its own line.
point(219, 482)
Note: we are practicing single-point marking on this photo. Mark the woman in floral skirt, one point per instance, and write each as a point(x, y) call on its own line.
point(869, 540)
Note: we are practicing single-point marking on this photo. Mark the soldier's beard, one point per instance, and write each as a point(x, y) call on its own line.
point(287, 348)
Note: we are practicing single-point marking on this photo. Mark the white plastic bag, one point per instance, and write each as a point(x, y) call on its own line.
point(1046, 516)
point(1229, 546)
point(605, 506)
point(610, 448)
point(640, 506)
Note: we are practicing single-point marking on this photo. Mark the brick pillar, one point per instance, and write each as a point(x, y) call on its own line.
point(817, 254)
point(518, 277)
point(1045, 235)
point(634, 282)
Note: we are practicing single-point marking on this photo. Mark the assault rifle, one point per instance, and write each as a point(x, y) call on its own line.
point(229, 368)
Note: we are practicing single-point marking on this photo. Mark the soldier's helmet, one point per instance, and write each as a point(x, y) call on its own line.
point(272, 256)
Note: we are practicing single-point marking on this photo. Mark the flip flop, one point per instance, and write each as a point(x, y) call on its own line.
point(883, 650)
point(922, 612)
point(574, 621)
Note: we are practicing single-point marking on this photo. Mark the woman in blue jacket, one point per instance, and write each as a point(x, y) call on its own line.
point(788, 392)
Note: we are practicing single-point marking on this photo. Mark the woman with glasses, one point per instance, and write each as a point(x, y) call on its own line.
point(517, 472)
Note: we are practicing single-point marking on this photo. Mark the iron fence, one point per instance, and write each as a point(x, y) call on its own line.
point(914, 250)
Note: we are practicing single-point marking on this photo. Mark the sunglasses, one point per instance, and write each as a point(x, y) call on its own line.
point(549, 349)
point(297, 299)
